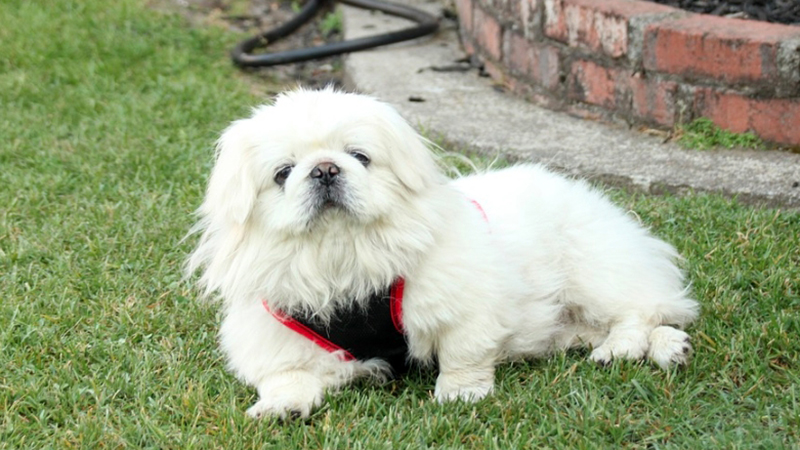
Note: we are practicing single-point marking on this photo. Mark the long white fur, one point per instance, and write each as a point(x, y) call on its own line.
point(555, 266)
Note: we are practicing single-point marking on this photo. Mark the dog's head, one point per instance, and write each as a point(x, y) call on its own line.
point(313, 156)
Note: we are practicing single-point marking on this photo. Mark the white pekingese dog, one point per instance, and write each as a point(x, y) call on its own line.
point(341, 250)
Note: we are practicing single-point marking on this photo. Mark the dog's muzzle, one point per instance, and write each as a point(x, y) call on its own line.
point(328, 184)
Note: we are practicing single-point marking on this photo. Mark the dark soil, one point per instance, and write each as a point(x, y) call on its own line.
point(775, 11)
point(251, 17)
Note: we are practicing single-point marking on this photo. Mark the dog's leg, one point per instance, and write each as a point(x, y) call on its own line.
point(626, 339)
point(288, 393)
point(290, 373)
point(466, 365)
point(465, 383)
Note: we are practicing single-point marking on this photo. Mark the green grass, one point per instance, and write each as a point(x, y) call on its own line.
point(331, 23)
point(108, 116)
point(703, 134)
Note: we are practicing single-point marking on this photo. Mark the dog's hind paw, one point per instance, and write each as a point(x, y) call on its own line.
point(669, 347)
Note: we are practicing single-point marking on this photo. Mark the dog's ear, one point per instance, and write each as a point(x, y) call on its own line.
point(413, 162)
point(422, 172)
point(232, 188)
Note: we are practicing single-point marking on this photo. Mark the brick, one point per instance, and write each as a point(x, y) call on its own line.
point(774, 120)
point(531, 16)
point(600, 26)
point(597, 85)
point(464, 8)
point(510, 10)
point(514, 85)
point(537, 61)
point(555, 24)
point(584, 112)
point(489, 34)
point(519, 52)
point(728, 111)
point(546, 66)
point(654, 100)
point(469, 47)
point(777, 120)
point(596, 31)
point(495, 72)
point(546, 100)
point(723, 49)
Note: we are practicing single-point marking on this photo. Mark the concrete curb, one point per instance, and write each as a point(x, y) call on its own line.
point(469, 110)
point(641, 62)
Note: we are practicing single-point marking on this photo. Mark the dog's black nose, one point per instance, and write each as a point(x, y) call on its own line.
point(325, 173)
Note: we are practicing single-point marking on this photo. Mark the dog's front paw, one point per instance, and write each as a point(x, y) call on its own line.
point(271, 408)
point(292, 394)
point(469, 387)
point(669, 346)
point(622, 346)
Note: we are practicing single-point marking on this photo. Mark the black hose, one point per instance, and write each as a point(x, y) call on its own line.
point(243, 57)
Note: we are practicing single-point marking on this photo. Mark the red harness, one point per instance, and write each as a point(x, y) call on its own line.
point(351, 350)
point(361, 329)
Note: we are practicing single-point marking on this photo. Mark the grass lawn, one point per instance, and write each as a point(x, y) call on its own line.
point(109, 111)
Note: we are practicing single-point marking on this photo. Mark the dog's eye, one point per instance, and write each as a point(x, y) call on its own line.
point(282, 174)
point(360, 156)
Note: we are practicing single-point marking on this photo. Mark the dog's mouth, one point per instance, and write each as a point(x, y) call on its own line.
point(325, 198)
point(328, 204)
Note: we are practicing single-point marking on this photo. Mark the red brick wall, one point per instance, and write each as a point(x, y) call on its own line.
point(641, 62)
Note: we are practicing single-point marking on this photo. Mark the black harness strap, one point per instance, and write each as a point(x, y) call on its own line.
point(372, 331)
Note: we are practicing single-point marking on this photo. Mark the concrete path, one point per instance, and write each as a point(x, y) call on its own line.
point(467, 110)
